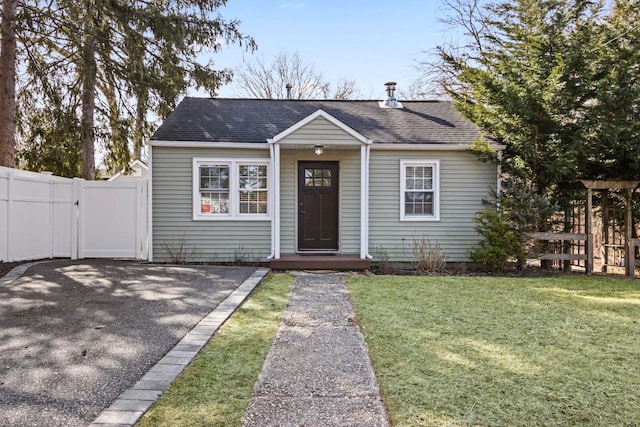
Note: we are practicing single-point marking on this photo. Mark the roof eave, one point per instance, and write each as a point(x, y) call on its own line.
point(207, 144)
point(416, 146)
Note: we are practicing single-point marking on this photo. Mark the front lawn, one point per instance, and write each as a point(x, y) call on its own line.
point(215, 389)
point(561, 351)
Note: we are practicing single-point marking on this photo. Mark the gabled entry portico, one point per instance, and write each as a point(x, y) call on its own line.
point(319, 201)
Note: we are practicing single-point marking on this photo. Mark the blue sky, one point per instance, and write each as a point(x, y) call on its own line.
point(368, 41)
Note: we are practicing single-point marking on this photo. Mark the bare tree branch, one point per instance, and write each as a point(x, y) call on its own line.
point(269, 80)
point(470, 19)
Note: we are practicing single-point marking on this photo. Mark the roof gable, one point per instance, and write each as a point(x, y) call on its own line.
point(135, 165)
point(318, 120)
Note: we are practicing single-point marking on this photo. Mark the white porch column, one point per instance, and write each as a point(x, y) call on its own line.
point(276, 201)
point(364, 201)
point(368, 168)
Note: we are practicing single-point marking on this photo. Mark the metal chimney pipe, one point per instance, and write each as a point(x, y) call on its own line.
point(391, 88)
point(289, 87)
point(391, 99)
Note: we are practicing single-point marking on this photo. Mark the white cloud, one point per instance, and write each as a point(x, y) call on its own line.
point(292, 5)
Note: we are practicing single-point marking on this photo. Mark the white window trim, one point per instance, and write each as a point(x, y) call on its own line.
point(435, 164)
point(234, 178)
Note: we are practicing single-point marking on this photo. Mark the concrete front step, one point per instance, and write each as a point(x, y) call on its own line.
point(342, 262)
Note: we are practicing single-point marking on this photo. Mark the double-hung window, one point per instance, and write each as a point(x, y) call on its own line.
point(419, 190)
point(230, 189)
point(214, 189)
point(252, 179)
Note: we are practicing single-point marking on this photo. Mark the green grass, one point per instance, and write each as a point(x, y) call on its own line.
point(559, 351)
point(216, 388)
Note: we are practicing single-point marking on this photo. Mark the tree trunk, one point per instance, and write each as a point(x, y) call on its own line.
point(8, 84)
point(87, 149)
point(141, 119)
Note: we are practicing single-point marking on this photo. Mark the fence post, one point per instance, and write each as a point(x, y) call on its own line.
point(9, 209)
point(632, 260)
point(140, 219)
point(144, 248)
point(588, 228)
point(50, 177)
point(629, 251)
point(589, 252)
point(75, 217)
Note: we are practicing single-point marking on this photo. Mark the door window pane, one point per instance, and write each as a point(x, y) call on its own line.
point(317, 177)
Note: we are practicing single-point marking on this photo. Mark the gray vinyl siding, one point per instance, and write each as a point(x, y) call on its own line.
point(349, 196)
point(320, 131)
point(173, 217)
point(288, 200)
point(464, 182)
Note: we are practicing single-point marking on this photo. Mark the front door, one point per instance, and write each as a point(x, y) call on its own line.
point(318, 206)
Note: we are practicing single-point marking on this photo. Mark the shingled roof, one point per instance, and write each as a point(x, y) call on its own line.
point(256, 120)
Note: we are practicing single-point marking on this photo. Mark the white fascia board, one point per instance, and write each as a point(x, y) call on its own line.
point(430, 147)
point(207, 144)
point(312, 117)
point(138, 162)
point(116, 176)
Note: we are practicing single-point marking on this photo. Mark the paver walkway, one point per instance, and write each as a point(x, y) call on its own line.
point(318, 370)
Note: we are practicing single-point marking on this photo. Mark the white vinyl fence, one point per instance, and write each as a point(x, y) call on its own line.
point(46, 216)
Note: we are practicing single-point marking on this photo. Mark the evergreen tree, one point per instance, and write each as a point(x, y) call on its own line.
point(528, 85)
point(121, 62)
point(556, 81)
point(613, 116)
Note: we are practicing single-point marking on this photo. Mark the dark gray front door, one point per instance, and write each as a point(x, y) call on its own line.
point(318, 206)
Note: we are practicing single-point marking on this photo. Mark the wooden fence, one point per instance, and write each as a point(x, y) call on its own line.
point(587, 256)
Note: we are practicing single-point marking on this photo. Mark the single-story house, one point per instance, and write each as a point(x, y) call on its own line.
point(314, 183)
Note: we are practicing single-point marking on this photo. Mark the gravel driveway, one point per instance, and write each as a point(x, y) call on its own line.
point(76, 334)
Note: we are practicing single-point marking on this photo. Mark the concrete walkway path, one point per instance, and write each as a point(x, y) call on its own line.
point(318, 370)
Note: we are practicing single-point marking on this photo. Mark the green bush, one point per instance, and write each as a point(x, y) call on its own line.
point(499, 244)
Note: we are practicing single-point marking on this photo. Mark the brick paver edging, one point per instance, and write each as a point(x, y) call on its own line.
point(17, 272)
point(133, 403)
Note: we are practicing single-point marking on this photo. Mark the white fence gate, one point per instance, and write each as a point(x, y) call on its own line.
point(46, 216)
point(113, 219)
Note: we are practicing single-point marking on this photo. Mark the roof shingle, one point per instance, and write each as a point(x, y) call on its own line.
point(256, 120)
